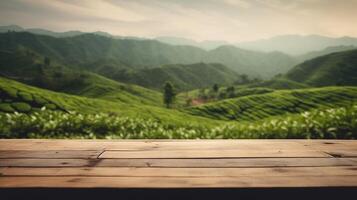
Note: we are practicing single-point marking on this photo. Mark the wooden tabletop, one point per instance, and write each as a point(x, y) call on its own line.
point(177, 163)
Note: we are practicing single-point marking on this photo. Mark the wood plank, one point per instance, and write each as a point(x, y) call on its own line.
point(182, 163)
point(209, 145)
point(35, 144)
point(179, 172)
point(238, 153)
point(334, 148)
point(50, 154)
point(178, 182)
point(343, 148)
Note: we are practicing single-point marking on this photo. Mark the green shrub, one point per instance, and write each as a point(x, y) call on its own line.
point(21, 107)
point(8, 92)
point(39, 100)
point(6, 107)
point(51, 106)
point(25, 96)
point(337, 123)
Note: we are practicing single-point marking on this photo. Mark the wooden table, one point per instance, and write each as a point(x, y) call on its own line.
point(178, 164)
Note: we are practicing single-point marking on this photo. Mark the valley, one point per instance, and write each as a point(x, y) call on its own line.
point(93, 85)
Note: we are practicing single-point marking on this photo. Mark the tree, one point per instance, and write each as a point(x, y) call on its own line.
point(222, 95)
point(189, 101)
point(47, 61)
point(202, 94)
point(215, 88)
point(244, 78)
point(230, 91)
point(169, 94)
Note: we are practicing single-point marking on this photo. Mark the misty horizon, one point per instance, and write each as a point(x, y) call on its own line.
point(164, 36)
point(229, 20)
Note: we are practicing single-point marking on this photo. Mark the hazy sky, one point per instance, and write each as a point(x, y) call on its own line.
point(231, 20)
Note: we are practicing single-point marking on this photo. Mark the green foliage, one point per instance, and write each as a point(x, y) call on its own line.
point(8, 92)
point(88, 105)
point(67, 103)
point(26, 68)
point(169, 94)
point(47, 61)
point(25, 96)
point(39, 100)
point(6, 107)
point(21, 107)
point(185, 77)
point(255, 107)
point(330, 70)
point(338, 123)
point(50, 106)
point(279, 84)
point(215, 88)
point(230, 91)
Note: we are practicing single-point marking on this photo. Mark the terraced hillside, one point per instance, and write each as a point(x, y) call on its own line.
point(280, 83)
point(277, 103)
point(333, 69)
point(28, 67)
point(94, 118)
point(15, 96)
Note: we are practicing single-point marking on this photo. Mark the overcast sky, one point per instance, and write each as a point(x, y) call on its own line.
point(231, 20)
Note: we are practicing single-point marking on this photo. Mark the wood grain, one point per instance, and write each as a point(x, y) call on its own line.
point(177, 163)
point(179, 182)
point(179, 172)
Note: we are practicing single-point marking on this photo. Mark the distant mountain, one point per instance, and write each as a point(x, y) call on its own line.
point(263, 64)
point(15, 28)
point(207, 45)
point(92, 52)
point(4, 29)
point(328, 50)
point(333, 69)
point(39, 31)
point(183, 77)
point(297, 44)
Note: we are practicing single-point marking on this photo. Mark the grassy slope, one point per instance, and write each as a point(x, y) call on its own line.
point(245, 90)
point(333, 69)
point(27, 67)
point(122, 120)
point(279, 83)
point(183, 77)
point(14, 93)
point(255, 107)
point(326, 51)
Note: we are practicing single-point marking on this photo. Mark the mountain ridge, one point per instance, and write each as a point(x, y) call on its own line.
point(85, 49)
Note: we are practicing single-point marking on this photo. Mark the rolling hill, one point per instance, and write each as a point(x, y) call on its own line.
point(326, 51)
point(15, 96)
point(92, 51)
point(28, 67)
point(279, 83)
point(277, 103)
point(329, 70)
point(183, 77)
